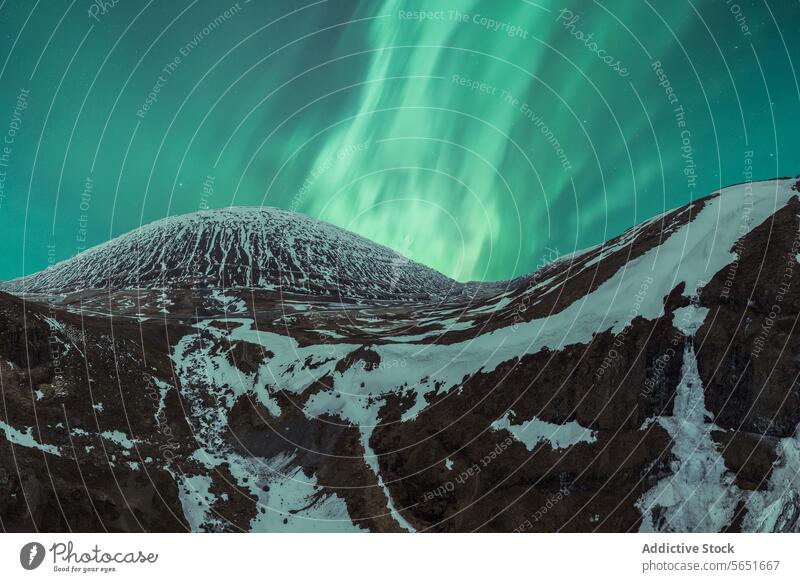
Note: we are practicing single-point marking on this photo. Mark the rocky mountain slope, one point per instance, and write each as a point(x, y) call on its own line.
point(649, 383)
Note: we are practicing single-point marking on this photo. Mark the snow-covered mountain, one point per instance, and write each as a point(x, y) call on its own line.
point(645, 384)
point(261, 247)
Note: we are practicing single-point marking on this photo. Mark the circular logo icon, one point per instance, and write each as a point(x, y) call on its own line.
point(31, 555)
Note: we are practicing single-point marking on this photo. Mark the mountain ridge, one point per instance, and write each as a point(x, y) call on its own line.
point(48, 280)
point(643, 384)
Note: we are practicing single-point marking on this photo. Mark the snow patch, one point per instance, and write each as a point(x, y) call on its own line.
point(558, 436)
point(118, 437)
point(196, 499)
point(26, 439)
point(689, 319)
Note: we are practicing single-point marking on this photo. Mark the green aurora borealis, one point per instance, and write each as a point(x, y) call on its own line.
point(477, 140)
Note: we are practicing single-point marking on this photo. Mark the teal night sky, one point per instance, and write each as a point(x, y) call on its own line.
point(476, 138)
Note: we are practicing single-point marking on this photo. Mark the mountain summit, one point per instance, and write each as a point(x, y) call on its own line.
point(238, 247)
